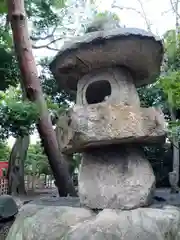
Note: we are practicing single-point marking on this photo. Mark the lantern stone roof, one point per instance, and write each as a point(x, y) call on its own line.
point(138, 50)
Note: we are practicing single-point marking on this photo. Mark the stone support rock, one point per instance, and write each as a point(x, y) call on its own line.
point(36, 222)
point(118, 177)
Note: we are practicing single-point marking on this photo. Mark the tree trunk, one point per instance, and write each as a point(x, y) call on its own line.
point(12, 161)
point(25, 141)
point(22, 156)
point(67, 158)
point(19, 152)
point(174, 175)
point(45, 179)
point(17, 157)
point(17, 17)
point(33, 175)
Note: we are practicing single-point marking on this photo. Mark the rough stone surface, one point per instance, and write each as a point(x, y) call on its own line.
point(139, 224)
point(123, 90)
point(4, 228)
point(52, 223)
point(134, 48)
point(18, 201)
point(8, 207)
point(39, 222)
point(116, 177)
point(104, 124)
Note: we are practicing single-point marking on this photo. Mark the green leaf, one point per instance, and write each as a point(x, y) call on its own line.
point(3, 6)
point(7, 38)
point(59, 3)
point(171, 87)
point(107, 14)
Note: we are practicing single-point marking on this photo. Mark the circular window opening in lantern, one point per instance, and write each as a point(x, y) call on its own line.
point(98, 91)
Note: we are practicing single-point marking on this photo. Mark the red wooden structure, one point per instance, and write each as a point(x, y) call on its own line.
point(3, 168)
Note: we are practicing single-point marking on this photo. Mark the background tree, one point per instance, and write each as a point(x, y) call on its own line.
point(31, 82)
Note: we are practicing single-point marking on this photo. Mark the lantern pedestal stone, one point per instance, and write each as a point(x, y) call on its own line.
point(116, 177)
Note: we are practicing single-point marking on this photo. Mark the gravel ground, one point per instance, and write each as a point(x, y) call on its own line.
point(162, 197)
point(50, 197)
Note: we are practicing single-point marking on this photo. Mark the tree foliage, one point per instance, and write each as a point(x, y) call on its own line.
point(9, 73)
point(169, 81)
point(16, 117)
point(4, 151)
point(36, 161)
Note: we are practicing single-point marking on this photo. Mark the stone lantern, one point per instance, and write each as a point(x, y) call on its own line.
point(107, 124)
point(109, 127)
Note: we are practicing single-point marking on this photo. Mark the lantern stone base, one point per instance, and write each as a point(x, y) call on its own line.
point(104, 124)
point(115, 177)
point(75, 223)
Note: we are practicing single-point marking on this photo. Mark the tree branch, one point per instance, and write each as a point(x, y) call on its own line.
point(44, 38)
point(53, 49)
point(174, 8)
point(142, 14)
point(166, 11)
point(48, 44)
point(51, 42)
point(127, 8)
